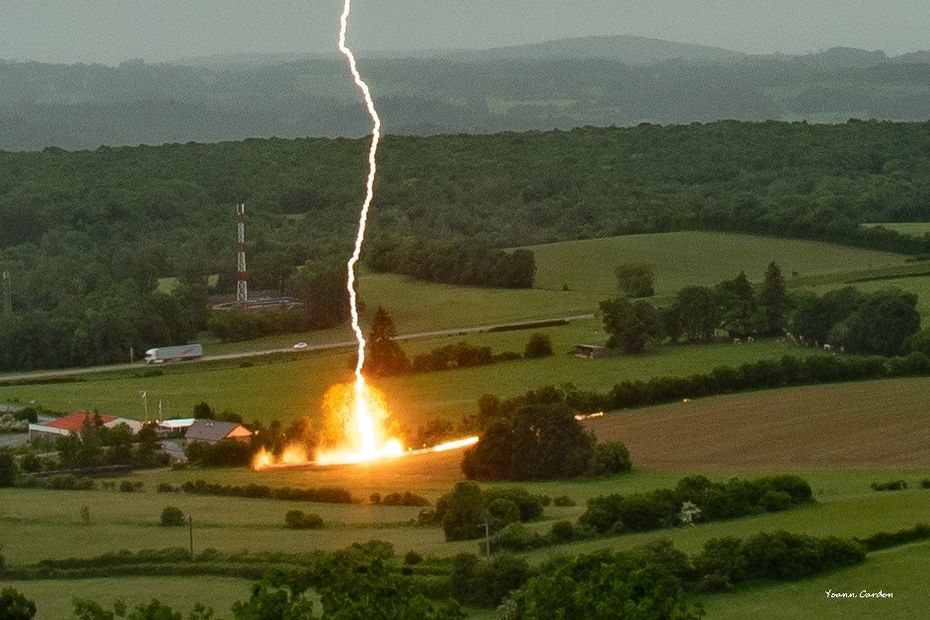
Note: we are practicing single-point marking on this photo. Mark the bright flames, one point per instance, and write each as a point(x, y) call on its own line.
point(355, 426)
point(292, 455)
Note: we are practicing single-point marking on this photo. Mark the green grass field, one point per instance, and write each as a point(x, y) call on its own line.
point(684, 258)
point(289, 386)
point(892, 571)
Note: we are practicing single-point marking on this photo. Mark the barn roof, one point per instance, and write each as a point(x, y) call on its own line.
point(74, 422)
point(215, 430)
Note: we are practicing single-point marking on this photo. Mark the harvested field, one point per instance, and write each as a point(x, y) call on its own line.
point(869, 424)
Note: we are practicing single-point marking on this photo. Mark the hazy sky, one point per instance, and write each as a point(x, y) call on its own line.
point(110, 31)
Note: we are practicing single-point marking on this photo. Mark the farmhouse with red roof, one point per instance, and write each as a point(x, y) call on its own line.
point(73, 423)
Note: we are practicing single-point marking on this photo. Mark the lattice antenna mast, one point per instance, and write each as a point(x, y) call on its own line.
point(242, 282)
point(7, 293)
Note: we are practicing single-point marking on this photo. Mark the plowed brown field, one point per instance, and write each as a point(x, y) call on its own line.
point(871, 424)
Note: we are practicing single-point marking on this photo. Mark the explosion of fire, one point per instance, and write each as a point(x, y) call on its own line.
point(356, 424)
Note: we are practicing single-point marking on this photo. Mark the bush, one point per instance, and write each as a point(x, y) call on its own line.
point(539, 345)
point(172, 516)
point(7, 469)
point(609, 458)
point(564, 500)
point(15, 606)
point(502, 512)
point(226, 453)
point(412, 558)
point(529, 505)
point(925, 483)
point(475, 582)
point(891, 485)
point(299, 520)
point(462, 512)
point(400, 499)
point(130, 486)
point(165, 487)
point(562, 532)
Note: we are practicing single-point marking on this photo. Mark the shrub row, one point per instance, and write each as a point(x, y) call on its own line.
point(883, 540)
point(781, 555)
point(712, 501)
point(60, 482)
point(324, 494)
point(765, 374)
point(300, 520)
point(891, 485)
point(399, 499)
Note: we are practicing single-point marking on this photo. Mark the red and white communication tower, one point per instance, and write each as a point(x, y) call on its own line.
point(242, 283)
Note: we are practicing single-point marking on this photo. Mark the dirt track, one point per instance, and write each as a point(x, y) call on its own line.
point(873, 424)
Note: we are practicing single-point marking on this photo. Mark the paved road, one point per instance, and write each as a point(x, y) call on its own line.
point(45, 374)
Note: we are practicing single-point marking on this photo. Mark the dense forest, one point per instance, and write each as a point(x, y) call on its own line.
point(555, 85)
point(84, 231)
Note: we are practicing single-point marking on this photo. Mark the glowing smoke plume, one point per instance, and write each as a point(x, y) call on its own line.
point(369, 195)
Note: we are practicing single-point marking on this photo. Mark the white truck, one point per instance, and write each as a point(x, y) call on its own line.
point(173, 354)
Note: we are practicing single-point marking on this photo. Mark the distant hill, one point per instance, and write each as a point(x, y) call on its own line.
point(596, 81)
point(628, 49)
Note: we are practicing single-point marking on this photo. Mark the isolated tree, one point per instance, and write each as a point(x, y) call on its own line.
point(882, 324)
point(700, 315)
point(739, 311)
point(537, 441)
point(631, 325)
point(635, 279)
point(773, 297)
point(383, 356)
point(539, 345)
point(461, 511)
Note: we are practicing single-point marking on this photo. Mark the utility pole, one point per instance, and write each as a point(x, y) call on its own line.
point(242, 275)
point(7, 292)
point(487, 537)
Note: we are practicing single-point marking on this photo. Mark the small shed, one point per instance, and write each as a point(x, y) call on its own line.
point(214, 431)
point(591, 351)
point(167, 428)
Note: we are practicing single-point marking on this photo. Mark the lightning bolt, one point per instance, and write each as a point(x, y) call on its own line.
point(369, 194)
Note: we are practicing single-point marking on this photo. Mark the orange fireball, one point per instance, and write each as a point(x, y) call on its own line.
point(355, 426)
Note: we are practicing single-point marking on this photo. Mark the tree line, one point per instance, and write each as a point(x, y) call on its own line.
point(884, 322)
point(465, 261)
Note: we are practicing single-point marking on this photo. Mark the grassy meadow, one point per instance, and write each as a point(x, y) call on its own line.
point(892, 570)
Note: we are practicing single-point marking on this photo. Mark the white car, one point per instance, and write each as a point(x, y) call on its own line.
point(301, 345)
